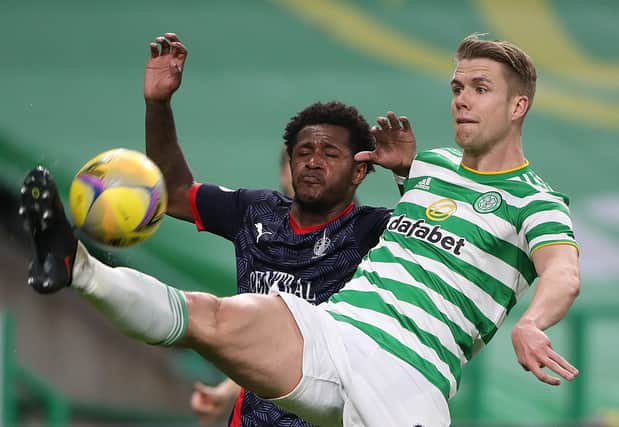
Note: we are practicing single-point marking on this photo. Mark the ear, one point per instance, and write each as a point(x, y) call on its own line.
point(519, 107)
point(360, 172)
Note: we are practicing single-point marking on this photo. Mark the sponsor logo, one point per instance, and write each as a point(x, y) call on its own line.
point(488, 202)
point(321, 245)
point(259, 231)
point(441, 210)
point(424, 184)
point(260, 282)
point(421, 230)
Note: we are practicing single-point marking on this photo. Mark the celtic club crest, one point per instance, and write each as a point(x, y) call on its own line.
point(488, 202)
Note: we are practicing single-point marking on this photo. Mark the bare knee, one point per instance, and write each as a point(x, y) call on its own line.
point(253, 338)
point(203, 311)
point(224, 324)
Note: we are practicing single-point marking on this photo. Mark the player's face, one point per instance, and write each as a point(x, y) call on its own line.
point(481, 104)
point(324, 172)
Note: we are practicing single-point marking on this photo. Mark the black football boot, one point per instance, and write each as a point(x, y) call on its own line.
point(54, 244)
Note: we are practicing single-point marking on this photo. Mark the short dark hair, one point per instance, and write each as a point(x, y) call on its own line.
point(337, 114)
point(517, 61)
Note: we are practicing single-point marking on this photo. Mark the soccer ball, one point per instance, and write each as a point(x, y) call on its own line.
point(118, 198)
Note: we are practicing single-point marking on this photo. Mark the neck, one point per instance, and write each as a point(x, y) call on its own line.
point(306, 215)
point(502, 156)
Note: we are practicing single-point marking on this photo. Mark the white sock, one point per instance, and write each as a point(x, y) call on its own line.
point(139, 305)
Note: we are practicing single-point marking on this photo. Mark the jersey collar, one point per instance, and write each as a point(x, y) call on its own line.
point(302, 230)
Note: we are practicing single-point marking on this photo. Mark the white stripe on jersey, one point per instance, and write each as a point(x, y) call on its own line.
point(429, 169)
point(391, 326)
point(543, 217)
point(395, 271)
point(486, 262)
point(422, 319)
point(550, 238)
point(456, 160)
point(495, 225)
point(494, 311)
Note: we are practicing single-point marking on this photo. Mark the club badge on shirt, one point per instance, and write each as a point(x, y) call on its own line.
point(321, 246)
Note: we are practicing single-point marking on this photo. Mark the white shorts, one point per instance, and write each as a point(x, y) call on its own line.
point(349, 380)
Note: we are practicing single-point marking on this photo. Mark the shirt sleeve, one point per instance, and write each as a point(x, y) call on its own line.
point(220, 210)
point(370, 226)
point(547, 222)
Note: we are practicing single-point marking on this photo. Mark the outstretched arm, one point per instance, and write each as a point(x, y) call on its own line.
point(162, 78)
point(558, 287)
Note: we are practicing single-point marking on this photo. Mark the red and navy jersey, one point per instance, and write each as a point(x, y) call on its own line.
point(271, 249)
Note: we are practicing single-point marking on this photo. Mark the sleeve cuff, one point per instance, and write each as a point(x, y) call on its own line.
point(193, 196)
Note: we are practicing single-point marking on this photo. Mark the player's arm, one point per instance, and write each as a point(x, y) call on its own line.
point(556, 290)
point(396, 146)
point(162, 78)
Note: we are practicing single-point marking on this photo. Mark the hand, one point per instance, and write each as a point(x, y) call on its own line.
point(210, 403)
point(396, 145)
point(164, 69)
point(534, 351)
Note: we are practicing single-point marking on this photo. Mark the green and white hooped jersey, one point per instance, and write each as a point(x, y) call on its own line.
point(453, 261)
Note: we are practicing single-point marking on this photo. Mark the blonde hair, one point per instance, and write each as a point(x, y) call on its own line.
point(515, 59)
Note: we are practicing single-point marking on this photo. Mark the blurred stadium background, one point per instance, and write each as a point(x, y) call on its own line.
point(71, 87)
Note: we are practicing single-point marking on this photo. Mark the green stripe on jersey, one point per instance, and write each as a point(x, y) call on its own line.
point(498, 291)
point(485, 241)
point(506, 212)
point(438, 160)
point(464, 194)
point(477, 256)
point(469, 309)
point(515, 183)
point(541, 206)
point(418, 297)
point(373, 301)
point(399, 350)
point(549, 228)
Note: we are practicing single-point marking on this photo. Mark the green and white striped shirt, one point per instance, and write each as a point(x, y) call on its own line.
point(453, 261)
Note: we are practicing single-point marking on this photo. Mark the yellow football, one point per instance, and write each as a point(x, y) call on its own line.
point(118, 198)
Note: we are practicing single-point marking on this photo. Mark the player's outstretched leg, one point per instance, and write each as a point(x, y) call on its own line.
point(53, 242)
point(235, 333)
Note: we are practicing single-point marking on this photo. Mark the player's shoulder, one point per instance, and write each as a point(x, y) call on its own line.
point(365, 210)
point(359, 217)
point(448, 157)
point(370, 216)
point(265, 196)
point(532, 186)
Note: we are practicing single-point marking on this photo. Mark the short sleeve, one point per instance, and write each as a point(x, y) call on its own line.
point(547, 222)
point(220, 210)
